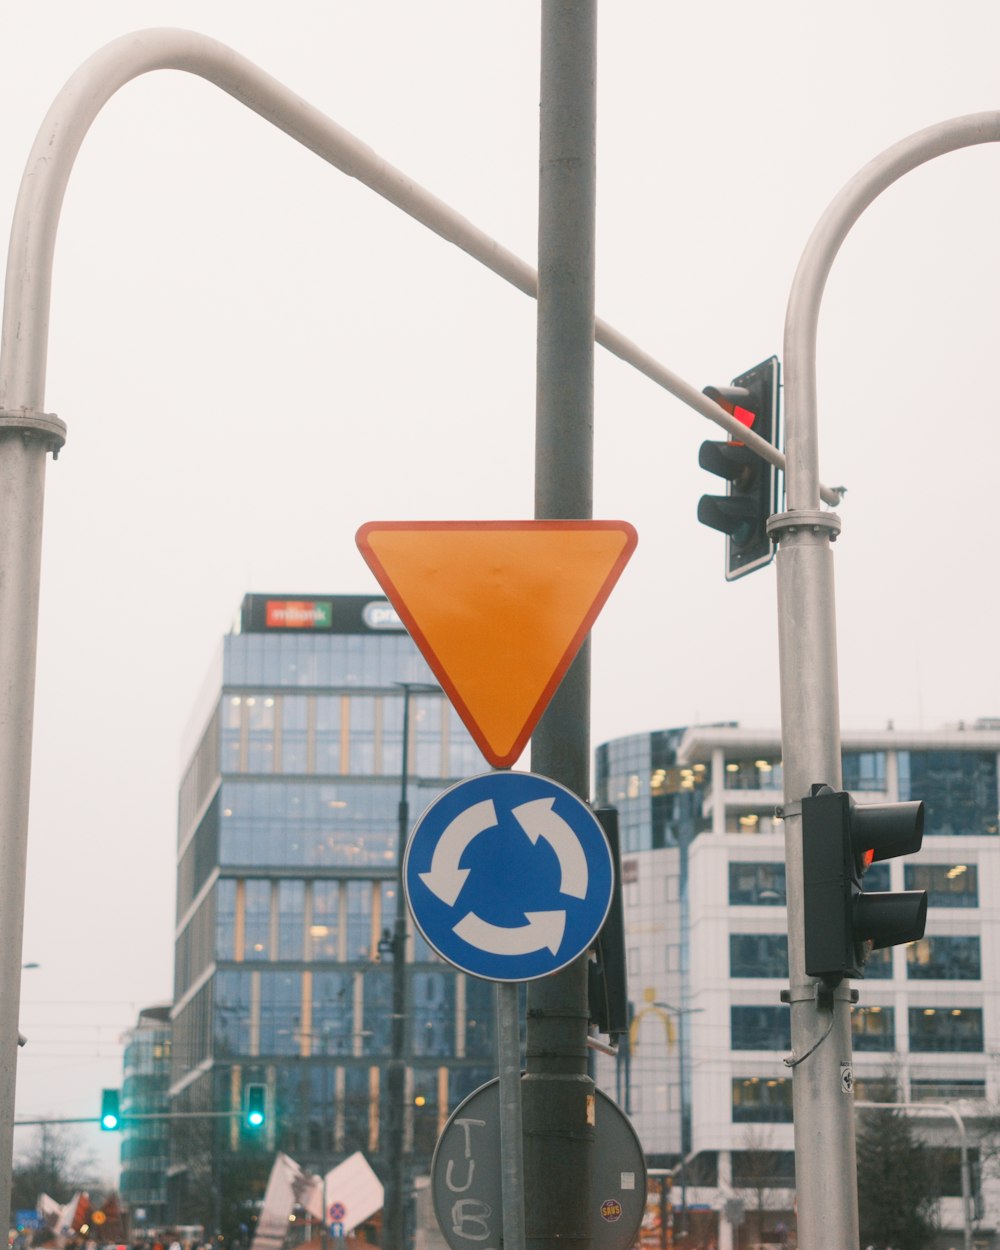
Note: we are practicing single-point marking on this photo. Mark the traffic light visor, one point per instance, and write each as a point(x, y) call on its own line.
point(882, 831)
point(890, 919)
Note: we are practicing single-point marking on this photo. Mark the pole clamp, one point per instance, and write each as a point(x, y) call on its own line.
point(804, 519)
point(44, 425)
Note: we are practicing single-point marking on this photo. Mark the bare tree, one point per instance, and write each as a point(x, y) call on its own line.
point(52, 1162)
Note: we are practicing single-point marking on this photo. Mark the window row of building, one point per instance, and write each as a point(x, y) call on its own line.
point(757, 884)
point(941, 957)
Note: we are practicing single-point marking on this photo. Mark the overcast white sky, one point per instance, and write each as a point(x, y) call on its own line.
point(254, 355)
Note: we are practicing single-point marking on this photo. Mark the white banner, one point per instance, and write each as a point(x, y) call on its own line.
point(352, 1192)
point(287, 1185)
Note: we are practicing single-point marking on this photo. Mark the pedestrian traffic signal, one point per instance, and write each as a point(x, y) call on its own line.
point(752, 491)
point(110, 1118)
point(840, 840)
point(255, 1106)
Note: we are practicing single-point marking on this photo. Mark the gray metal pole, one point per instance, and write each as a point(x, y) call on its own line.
point(25, 441)
point(511, 1119)
point(559, 1097)
point(810, 718)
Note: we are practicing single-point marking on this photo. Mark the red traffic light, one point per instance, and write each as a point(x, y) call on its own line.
point(840, 839)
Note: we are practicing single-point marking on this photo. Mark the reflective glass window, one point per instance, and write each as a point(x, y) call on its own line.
point(945, 1090)
point(946, 1028)
point(873, 1028)
point(762, 773)
point(257, 919)
point(361, 734)
point(464, 757)
point(947, 885)
point(760, 1028)
point(959, 789)
point(878, 966)
point(231, 1014)
point(280, 1012)
point(757, 885)
point(428, 719)
point(328, 733)
point(225, 918)
point(232, 721)
point(260, 733)
point(758, 955)
point(761, 821)
point(324, 929)
point(432, 1013)
point(944, 957)
point(863, 770)
point(358, 1108)
point(376, 1028)
point(392, 737)
point(762, 1100)
point(333, 1013)
point(359, 920)
point(479, 1004)
point(294, 733)
point(291, 919)
point(877, 877)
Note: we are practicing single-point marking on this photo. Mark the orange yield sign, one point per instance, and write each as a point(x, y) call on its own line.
point(498, 609)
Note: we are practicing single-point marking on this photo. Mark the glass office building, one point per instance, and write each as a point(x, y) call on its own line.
point(704, 894)
point(287, 895)
point(145, 1142)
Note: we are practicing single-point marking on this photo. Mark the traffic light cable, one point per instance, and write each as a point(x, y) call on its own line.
point(824, 996)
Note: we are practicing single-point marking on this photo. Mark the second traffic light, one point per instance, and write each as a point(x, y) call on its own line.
point(752, 492)
point(110, 1115)
point(840, 840)
point(255, 1106)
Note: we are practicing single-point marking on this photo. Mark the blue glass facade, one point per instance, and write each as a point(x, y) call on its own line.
point(287, 891)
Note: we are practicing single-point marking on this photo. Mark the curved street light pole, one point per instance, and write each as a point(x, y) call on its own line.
point(821, 1061)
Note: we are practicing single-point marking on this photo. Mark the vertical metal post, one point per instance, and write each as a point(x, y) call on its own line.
point(396, 1077)
point(24, 445)
point(511, 1119)
point(559, 1098)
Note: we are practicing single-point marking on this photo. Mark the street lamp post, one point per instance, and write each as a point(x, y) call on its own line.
point(394, 1228)
point(680, 1013)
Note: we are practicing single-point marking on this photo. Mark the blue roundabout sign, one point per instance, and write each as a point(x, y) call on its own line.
point(508, 876)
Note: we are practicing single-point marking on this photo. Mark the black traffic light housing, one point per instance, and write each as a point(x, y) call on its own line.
point(255, 1107)
point(607, 972)
point(840, 839)
point(110, 1110)
point(752, 490)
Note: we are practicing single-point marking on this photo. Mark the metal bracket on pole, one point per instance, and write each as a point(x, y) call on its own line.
point(804, 519)
point(36, 424)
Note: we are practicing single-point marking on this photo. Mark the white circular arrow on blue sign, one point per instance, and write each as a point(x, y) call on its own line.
point(508, 876)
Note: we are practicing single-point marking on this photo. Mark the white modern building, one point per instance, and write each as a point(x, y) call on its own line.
point(704, 890)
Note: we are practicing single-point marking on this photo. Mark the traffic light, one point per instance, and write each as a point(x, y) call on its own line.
point(752, 490)
point(607, 972)
point(255, 1106)
point(840, 839)
point(110, 1117)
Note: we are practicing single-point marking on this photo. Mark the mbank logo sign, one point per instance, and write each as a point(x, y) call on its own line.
point(299, 614)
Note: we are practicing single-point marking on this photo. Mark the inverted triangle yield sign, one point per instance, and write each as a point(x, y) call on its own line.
point(498, 609)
